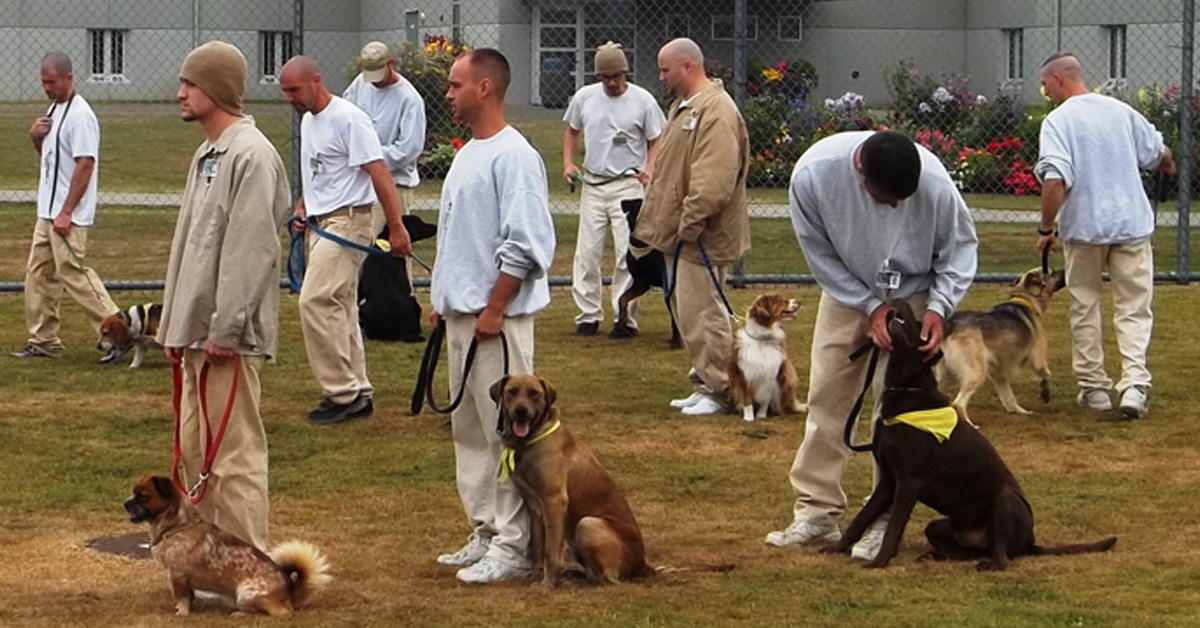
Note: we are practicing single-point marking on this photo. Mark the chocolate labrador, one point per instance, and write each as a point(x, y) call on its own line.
point(571, 498)
point(963, 478)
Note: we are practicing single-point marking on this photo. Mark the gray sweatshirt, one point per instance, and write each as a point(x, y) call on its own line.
point(848, 238)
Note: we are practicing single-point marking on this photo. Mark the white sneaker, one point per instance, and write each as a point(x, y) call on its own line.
point(1133, 402)
point(470, 553)
point(706, 406)
point(867, 548)
point(490, 569)
point(805, 532)
point(1095, 399)
point(688, 401)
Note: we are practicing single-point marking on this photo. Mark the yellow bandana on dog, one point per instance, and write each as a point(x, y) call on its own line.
point(508, 457)
point(940, 421)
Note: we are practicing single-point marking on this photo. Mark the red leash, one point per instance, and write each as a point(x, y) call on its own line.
point(210, 445)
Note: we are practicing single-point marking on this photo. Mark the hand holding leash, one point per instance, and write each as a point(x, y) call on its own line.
point(933, 331)
point(879, 331)
point(62, 224)
point(401, 244)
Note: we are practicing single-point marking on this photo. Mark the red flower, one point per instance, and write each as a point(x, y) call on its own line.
point(456, 143)
point(993, 147)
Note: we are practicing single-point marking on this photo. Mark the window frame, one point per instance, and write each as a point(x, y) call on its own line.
point(751, 28)
point(799, 35)
point(107, 55)
point(274, 49)
point(1014, 44)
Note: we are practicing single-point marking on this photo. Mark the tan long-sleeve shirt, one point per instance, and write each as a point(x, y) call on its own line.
point(222, 281)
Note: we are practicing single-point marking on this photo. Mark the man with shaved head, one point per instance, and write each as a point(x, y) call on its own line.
point(695, 213)
point(495, 246)
point(1092, 149)
point(68, 140)
point(343, 175)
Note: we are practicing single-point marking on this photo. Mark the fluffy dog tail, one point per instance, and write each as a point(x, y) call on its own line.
point(1077, 548)
point(305, 566)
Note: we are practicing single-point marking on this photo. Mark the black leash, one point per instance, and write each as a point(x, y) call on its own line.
point(712, 273)
point(428, 368)
point(297, 259)
point(848, 434)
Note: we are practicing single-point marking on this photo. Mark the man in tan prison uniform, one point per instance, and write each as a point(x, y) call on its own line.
point(697, 196)
point(343, 175)
point(222, 288)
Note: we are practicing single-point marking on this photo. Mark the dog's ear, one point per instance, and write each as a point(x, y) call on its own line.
point(497, 389)
point(163, 486)
point(549, 391)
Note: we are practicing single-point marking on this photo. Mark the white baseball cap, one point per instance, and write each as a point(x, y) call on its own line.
point(375, 57)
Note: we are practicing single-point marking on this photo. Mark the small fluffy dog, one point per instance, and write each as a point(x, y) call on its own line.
point(200, 556)
point(761, 378)
point(134, 328)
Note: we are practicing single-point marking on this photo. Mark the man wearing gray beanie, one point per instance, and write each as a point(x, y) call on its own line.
point(221, 302)
point(621, 123)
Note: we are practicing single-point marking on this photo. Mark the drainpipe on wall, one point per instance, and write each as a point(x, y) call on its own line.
point(195, 24)
point(297, 49)
point(1186, 141)
point(1058, 26)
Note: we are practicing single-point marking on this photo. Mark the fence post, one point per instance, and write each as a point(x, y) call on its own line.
point(1185, 141)
point(195, 24)
point(738, 274)
point(298, 49)
point(1058, 26)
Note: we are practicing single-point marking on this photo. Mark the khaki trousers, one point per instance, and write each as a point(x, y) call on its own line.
point(494, 508)
point(1131, 275)
point(329, 307)
point(704, 325)
point(599, 212)
point(53, 268)
point(834, 383)
point(236, 498)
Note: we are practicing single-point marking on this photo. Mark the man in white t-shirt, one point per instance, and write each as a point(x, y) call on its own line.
point(495, 246)
point(343, 173)
point(68, 140)
point(621, 124)
point(397, 112)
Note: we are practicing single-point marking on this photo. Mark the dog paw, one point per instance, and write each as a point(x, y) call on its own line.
point(990, 565)
point(834, 548)
point(1045, 391)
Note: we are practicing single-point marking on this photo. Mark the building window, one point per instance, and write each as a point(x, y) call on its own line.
point(275, 48)
point(108, 55)
point(679, 26)
point(1116, 51)
point(722, 28)
point(456, 24)
point(790, 27)
point(1016, 52)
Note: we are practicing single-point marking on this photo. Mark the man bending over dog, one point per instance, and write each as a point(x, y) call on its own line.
point(878, 218)
point(222, 288)
point(495, 244)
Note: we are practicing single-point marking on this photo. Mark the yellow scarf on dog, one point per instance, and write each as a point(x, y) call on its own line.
point(940, 421)
point(508, 457)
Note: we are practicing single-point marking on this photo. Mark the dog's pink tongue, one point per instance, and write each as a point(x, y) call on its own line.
point(521, 429)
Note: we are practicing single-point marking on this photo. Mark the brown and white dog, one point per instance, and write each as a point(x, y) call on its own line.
point(571, 498)
point(201, 556)
point(761, 377)
point(134, 328)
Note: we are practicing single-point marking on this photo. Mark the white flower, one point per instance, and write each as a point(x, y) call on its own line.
point(942, 96)
point(829, 103)
point(980, 100)
point(925, 108)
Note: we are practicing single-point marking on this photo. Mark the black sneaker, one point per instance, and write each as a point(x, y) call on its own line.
point(367, 410)
point(587, 329)
point(33, 352)
point(329, 412)
point(620, 332)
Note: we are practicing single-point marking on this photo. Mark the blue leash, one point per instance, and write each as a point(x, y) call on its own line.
point(297, 260)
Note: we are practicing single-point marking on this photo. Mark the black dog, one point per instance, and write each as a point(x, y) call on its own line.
point(963, 478)
point(648, 268)
point(387, 309)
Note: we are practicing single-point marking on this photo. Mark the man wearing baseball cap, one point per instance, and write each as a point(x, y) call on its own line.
point(221, 302)
point(397, 112)
point(621, 123)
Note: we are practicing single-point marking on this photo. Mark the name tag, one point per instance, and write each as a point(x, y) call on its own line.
point(315, 165)
point(689, 123)
point(887, 280)
point(620, 140)
point(209, 169)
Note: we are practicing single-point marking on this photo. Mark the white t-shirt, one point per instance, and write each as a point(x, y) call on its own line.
point(398, 113)
point(76, 136)
point(616, 130)
point(334, 145)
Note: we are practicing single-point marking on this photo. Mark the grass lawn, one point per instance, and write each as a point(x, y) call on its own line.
point(379, 497)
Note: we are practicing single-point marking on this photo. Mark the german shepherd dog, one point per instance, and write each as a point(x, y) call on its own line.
point(999, 343)
point(648, 268)
point(926, 452)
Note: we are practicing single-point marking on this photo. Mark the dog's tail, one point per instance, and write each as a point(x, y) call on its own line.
point(305, 566)
point(1076, 548)
point(713, 568)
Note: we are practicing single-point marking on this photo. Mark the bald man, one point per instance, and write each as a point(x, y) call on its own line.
point(1092, 149)
point(343, 175)
point(695, 208)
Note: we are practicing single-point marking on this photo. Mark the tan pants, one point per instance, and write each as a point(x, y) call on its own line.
point(236, 498)
point(600, 212)
point(834, 383)
point(52, 268)
point(704, 325)
point(1131, 274)
point(329, 307)
point(494, 509)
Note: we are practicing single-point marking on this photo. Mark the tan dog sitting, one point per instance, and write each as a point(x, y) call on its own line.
point(571, 498)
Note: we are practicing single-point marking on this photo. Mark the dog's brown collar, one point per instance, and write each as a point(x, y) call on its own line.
point(1026, 301)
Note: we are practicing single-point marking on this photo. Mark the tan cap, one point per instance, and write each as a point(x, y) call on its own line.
point(375, 57)
point(610, 59)
point(219, 70)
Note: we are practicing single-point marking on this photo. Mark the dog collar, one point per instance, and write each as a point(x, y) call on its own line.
point(940, 421)
point(508, 457)
point(1024, 301)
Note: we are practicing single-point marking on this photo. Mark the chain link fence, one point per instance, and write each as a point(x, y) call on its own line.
point(959, 76)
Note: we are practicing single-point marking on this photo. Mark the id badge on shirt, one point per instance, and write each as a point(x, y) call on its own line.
point(620, 139)
point(209, 169)
point(689, 123)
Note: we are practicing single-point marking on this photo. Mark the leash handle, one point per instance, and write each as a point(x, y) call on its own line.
point(428, 370)
point(211, 445)
point(1046, 260)
point(848, 433)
